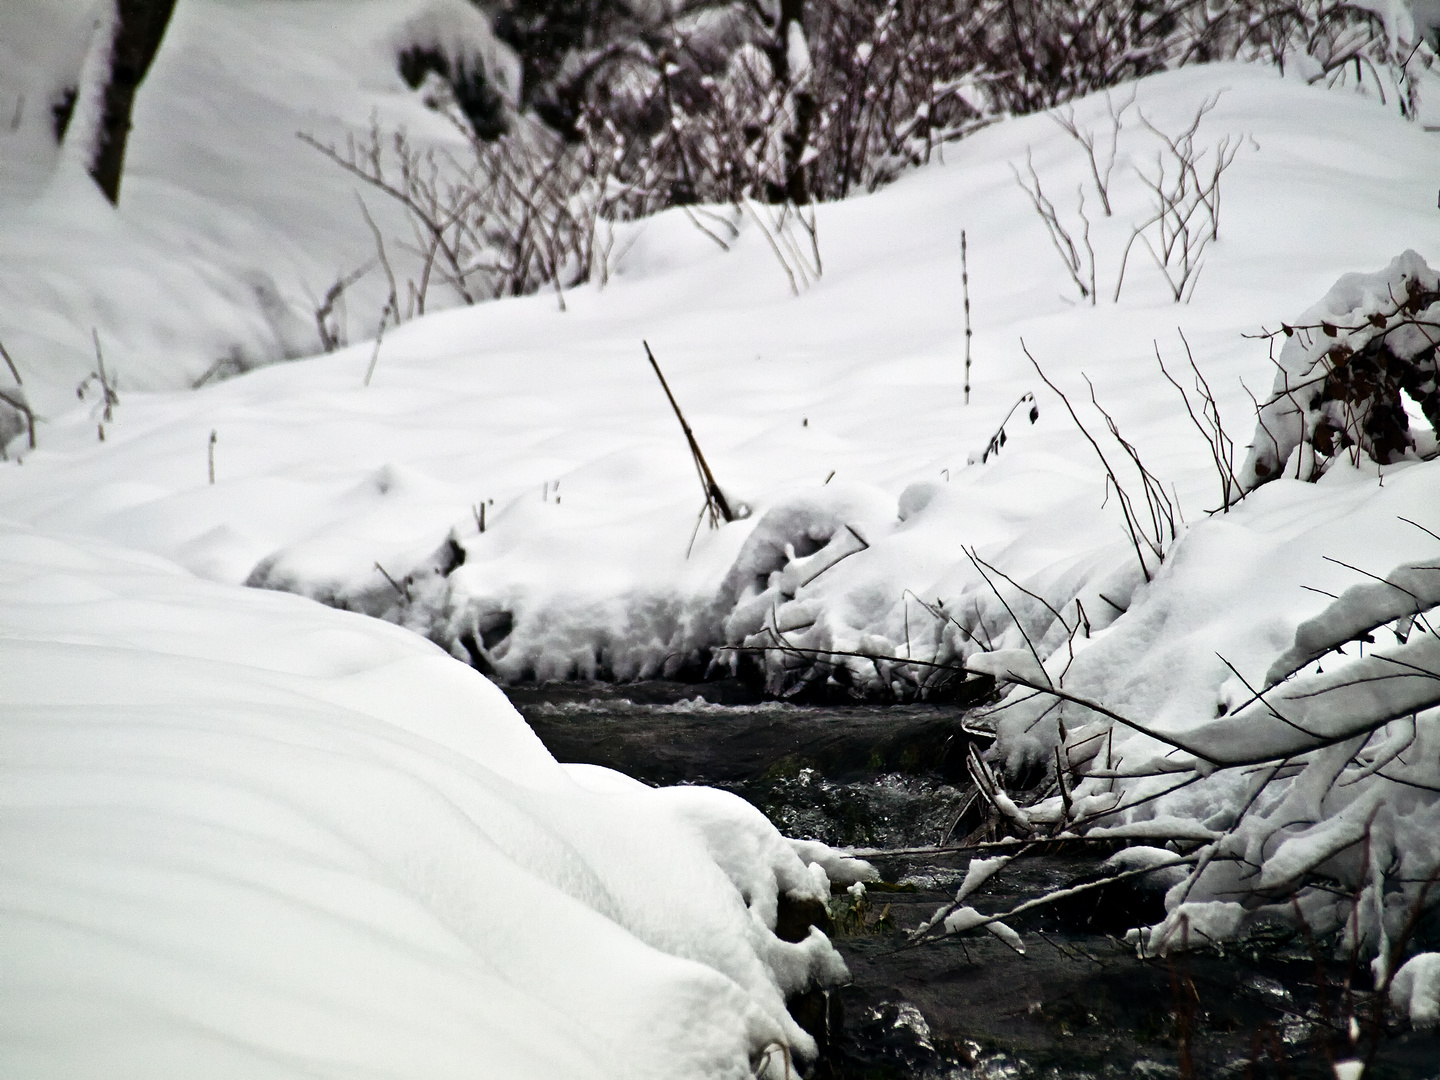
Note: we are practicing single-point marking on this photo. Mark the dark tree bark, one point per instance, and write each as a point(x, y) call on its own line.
point(795, 189)
point(139, 26)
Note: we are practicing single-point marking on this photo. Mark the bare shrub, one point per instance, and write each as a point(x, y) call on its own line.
point(1079, 259)
point(507, 218)
point(1088, 140)
point(330, 311)
point(1156, 528)
point(1207, 421)
point(14, 397)
point(1185, 197)
point(1185, 191)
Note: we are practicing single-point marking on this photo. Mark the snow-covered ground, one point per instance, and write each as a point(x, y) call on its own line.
point(836, 417)
point(245, 835)
point(556, 423)
point(230, 229)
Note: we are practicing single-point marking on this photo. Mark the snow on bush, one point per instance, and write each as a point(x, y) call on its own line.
point(1297, 783)
point(246, 835)
point(1344, 372)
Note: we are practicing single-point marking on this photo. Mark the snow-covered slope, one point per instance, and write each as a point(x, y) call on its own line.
point(244, 835)
point(837, 417)
point(230, 229)
point(555, 422)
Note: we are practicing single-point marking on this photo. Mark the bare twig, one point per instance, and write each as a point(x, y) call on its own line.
point(1086, 138)
point(965, 287)
point(1138, 538)
point(1208, 423)
point(715, 503)
point(332, 335)
point(111, 399)
point(999, 439)
point(17, 400)
point(399, 590)
point(1080, 268)
point(1162, 509)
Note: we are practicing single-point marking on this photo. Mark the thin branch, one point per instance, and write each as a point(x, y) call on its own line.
point(714, 497)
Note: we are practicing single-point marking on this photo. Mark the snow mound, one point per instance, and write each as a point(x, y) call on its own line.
point(245, 835)
point(1415, 991)
point(838, 415)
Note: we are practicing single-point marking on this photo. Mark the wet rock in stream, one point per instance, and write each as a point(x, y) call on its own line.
point(1078, 1003)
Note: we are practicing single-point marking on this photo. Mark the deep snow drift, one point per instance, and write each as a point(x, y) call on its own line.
point(837, 417)
point(248, 836)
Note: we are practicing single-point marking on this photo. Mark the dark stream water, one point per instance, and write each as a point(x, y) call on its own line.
point(1077, 1004)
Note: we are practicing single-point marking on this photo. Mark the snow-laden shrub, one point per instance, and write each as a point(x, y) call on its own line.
point(1310, 795)
point(455, 41)
point(1344, 372)
point(1342, 808)
point(885, 82)
point(1312, 800)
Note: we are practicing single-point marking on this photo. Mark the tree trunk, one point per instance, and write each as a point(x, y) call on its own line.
point(139, 26)
point(801, 102)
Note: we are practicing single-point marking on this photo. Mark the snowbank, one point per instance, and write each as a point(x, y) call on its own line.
point(248, 836)
point(838, 416)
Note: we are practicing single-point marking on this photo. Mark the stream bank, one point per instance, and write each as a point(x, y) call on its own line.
point(1078, 1003)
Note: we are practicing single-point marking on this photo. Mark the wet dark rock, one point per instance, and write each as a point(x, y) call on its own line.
point(794, 917)
point(890, 1039)
point(822, 1014)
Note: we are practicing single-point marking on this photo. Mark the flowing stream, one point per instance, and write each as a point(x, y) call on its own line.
point(1079, 1003)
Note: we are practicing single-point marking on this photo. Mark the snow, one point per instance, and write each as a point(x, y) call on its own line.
point(556, 417)
point(229, 230)
point(836, 417)
point(967, 918)
point(249, 835)
point(1415, 990)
